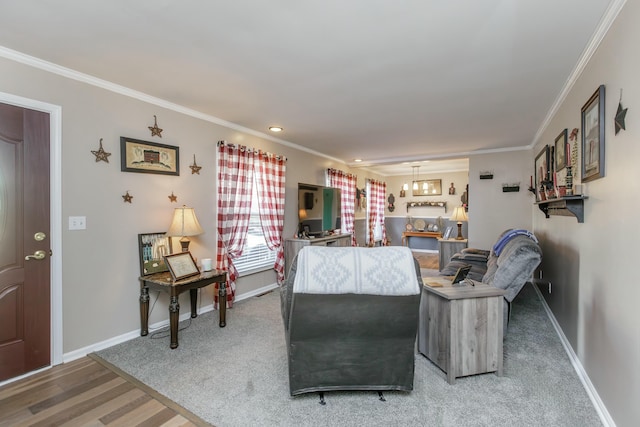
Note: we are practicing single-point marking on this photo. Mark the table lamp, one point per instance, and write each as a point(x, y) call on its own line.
point(302, 215)
point(184, 224)
point(459, 214)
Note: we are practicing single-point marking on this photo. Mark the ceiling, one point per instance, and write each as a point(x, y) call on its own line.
point(386, 82)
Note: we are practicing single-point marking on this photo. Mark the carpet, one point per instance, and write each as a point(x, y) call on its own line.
point(237, 376)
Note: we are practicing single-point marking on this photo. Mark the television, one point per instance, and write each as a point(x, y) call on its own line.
point(318, 209)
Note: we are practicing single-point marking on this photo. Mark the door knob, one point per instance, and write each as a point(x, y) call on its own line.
point(36, 255)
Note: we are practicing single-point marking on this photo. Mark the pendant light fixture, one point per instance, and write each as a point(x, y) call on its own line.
point(415, 175)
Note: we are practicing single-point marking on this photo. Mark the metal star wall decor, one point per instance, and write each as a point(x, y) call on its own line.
point(173, 198)
point(101, 154)
point(620, 116)
point(127, 197)
point(155, 130)
point(194, 167)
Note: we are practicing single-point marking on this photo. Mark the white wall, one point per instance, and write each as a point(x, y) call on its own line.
point(490, 210)
point(594, 291)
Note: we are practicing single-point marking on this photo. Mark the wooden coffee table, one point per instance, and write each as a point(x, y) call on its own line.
point(460, 327)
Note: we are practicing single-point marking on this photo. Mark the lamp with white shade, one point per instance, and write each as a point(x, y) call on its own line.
point(184, 224)
point(460, 215)
point(302, 216)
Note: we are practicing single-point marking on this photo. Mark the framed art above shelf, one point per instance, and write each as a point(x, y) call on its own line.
point(564, 206)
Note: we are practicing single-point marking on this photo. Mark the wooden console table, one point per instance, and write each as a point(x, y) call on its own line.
point(163, 282)
point(429, 234)
point(460, 327)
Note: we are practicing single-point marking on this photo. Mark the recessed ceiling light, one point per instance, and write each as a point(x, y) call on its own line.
point(357, 160)
point(275, 128)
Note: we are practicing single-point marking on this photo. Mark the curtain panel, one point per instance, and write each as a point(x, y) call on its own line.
point(347, 184)
point(235, 186)
point(270, 178)
point(237, 165)
point(377, 191)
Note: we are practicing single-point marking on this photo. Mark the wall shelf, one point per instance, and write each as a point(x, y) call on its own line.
point(428, 204)
point(564, 206)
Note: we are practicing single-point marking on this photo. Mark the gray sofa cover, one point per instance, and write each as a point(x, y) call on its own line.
point(508, 265)
point(350, 319)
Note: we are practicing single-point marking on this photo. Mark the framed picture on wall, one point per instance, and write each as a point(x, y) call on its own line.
point(560, 150)
point(593, 136)
point(541, 171)
point(148, 157)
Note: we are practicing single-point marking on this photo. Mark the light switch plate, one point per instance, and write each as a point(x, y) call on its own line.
point(77, 223)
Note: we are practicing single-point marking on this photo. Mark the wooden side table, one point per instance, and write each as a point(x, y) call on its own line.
point(163, 282)
point(448, 248)
point(427, 234)
point(460, 327)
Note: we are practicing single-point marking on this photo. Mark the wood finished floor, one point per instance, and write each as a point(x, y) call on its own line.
point(87, 393)
point(427, 260)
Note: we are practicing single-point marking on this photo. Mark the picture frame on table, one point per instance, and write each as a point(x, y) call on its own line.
point(181, 265)
point(592, 121)
point(152, 247)
point(541, 171)
point(560, 150)
point(148, 157)
point(447, 233)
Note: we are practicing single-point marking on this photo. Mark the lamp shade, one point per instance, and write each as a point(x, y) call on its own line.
point(302, 214)
point(184, 223)
point(459, 214)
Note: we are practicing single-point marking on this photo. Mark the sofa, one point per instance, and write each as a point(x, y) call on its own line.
point(350, 318)
point(508, 265)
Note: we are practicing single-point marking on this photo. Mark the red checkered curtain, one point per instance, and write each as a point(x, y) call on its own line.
point(235, 182)
point(270, 178)
point(377, 191)
point(347, 184)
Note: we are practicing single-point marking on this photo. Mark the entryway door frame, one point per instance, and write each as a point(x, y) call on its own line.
point(55, 128)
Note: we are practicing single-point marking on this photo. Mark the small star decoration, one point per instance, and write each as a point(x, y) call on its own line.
point(620, 116)
point(173, 198)
point(127, 197)
point(194, 167)
point(101, 154)
point(155, 130)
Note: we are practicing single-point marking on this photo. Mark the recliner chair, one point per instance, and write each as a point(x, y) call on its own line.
point(350, 318)
point(509, 264)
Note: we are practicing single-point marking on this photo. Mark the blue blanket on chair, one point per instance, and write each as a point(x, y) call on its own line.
point(500, 244)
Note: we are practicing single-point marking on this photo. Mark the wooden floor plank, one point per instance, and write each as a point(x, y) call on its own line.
point(159, 418)
point(88, 404)
point(123, 410)
point(100, 414)
point(44, 377)
point(178, 421)
point(139, 415)
point(86, 393)
point(66, 395)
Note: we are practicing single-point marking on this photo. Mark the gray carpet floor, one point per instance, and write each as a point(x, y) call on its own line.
point(237, 376)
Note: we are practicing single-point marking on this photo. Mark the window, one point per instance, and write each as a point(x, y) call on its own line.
point(256, 255)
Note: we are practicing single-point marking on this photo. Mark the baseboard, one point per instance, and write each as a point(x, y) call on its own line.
point(601, 409)
point(77, 354)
